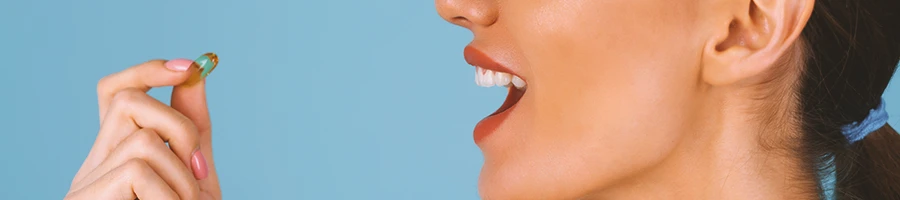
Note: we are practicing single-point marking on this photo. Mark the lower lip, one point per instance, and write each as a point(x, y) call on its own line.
point(489, 124)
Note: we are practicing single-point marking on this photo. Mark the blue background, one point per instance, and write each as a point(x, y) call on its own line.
point(312, 99)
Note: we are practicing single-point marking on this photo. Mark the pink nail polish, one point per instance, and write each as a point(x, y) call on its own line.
point(198, 165)
point(179, 65)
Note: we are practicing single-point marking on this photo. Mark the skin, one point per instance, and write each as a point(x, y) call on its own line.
point(648, 99)
point(626, 99)
point(130, 158)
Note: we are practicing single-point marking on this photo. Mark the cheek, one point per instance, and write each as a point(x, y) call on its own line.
point(604, 71)
point(610, 90)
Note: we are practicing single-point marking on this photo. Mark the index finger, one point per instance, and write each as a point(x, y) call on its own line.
point(154, 73)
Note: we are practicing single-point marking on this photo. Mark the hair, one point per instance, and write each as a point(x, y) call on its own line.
point(852, 48)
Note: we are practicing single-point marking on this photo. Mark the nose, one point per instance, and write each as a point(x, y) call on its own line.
point(468, 13)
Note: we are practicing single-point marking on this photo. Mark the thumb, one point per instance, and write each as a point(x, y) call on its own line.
point(190, 100)
point(190, 97)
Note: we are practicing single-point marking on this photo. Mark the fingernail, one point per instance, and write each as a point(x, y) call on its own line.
point(179, 65)
point(198, 165)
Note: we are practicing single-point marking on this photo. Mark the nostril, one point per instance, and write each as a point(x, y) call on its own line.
point(461, 21)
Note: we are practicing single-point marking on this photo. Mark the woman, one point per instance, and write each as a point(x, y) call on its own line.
point(610, 99)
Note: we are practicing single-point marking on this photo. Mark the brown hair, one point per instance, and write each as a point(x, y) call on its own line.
point(853, 49)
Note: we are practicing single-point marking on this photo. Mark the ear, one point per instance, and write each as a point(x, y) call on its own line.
point(756, 35)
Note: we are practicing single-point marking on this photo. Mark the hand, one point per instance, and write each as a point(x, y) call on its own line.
point(130, 158)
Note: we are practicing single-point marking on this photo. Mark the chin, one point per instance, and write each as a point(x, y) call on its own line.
point(497, 184)
point(560, 173)
point(502, 184)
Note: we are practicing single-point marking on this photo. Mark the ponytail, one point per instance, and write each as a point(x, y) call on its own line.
point(870, 168)
point(852, 51)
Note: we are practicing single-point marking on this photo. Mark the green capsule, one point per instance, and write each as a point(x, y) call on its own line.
point(203, 65)
point(207, 62)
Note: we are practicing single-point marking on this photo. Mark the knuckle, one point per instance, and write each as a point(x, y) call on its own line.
point(141, 144)
point(126, 97)
point(145, 138)
point(190, 130)
point(137, 168)
point(103, 85)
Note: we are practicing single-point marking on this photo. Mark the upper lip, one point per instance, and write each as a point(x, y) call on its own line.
point(478, 58)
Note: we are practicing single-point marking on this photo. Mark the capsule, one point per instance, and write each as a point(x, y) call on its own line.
point(203, 65)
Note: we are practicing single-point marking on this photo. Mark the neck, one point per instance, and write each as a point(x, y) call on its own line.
point(730, 155)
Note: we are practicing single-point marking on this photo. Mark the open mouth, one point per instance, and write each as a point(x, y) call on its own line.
point(489, 73)
point(491, 78)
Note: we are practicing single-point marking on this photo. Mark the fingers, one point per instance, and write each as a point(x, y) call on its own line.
point(146, 144)
point(190, 100)
point(132, 109)
point(133, 179)
point(155, 73)
point(127, 140)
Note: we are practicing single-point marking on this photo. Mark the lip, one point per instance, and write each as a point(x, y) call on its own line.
point(489, 124)
point(478, 58)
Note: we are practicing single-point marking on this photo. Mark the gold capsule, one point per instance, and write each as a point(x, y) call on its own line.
point(203, 66)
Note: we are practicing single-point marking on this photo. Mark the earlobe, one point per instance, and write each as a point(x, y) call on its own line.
point(757, 35)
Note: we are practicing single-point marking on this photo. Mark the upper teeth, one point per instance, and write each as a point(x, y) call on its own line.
point(489, 78)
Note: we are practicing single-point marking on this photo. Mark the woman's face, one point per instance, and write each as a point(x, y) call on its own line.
point(612, 88)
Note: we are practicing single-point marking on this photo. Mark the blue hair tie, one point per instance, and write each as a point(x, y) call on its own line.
point(856, 131)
